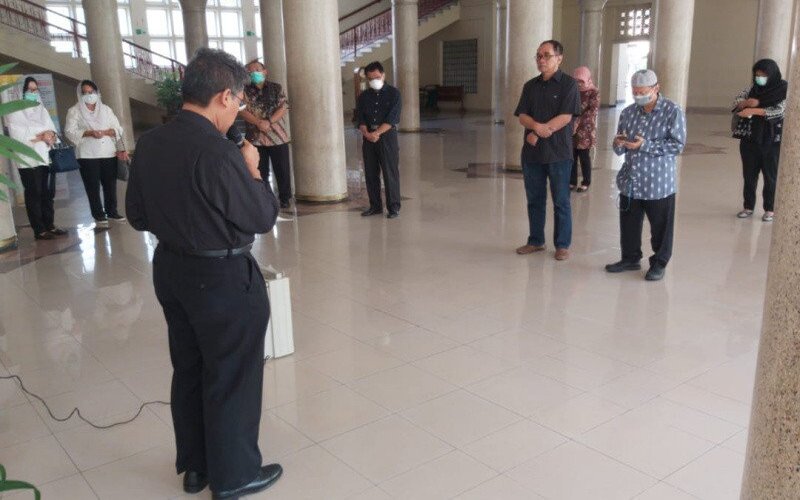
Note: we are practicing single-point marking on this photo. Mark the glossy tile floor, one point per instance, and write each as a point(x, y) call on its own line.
point(432, 361)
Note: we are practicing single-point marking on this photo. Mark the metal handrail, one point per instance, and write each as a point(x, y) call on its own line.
point(379, 27)
point(32, 18)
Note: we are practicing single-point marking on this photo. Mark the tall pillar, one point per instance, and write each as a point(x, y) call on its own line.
point(195, 30)
point(107, 66)
point(405, 52)
point(774, 33)
point(530, 22)
point(592, 35)
point(273, 40)
point(673, 48)
point(315, 88)
point(773, 449)
point(499, 75)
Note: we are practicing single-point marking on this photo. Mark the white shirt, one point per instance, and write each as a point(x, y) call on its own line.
point(89, 147)
point(24, 125)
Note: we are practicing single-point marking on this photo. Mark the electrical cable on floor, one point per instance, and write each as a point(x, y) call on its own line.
point(76, 411)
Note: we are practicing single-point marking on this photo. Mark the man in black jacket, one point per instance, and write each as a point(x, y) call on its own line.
point(378, 115)
point(205, 199)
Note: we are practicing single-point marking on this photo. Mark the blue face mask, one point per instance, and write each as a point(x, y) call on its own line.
point(643, 100)
point(31, 96)
point(257, 77)
point(761, 81)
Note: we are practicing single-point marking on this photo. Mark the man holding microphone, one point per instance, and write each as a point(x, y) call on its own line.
point(204, 199)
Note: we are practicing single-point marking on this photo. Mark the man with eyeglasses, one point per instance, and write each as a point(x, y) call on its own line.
point(651, 133)
point(546, 108)
point(204, 199)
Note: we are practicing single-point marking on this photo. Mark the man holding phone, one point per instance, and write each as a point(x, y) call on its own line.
point(651, 133)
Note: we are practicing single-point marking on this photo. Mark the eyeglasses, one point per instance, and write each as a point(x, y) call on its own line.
point(242, 104)
point(544, 57)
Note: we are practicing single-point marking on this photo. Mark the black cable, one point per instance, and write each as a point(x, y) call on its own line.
point(76, 411)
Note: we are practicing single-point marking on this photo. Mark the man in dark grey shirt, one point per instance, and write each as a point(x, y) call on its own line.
point(546, 109)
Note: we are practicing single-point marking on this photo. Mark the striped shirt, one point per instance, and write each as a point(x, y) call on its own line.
point(649, 173)
point(263, 103)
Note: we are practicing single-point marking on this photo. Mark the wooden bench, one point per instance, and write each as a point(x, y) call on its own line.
point(447, 94)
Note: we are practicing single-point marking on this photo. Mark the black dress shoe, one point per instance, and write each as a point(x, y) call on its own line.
point(57, 231)
point(194, 482)
point(655, 273)
point(621, 266)
point(266, 477)
point(47, 235)
point(392, 215)
point(371, 211)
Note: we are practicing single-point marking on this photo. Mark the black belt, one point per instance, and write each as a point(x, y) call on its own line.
point(211, 254)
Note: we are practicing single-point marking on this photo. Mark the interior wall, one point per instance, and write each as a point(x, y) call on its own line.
point(477, 22)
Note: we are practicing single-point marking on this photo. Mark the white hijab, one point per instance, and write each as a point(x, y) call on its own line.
point(97, 119)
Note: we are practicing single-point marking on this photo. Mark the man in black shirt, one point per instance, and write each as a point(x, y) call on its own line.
point(546, 109)
point(378, 111)
point(205, 199)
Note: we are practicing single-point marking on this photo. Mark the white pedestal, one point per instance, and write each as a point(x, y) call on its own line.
point(279, 341)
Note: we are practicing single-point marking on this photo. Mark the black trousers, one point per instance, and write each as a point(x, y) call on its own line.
point(586, 168)
point(279, 156)
point(97, 172)
point(217, 312)
point(755, 159)
point(383, 158)
point(40, 189)
point(660, 214)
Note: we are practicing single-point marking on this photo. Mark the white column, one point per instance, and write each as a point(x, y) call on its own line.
point(773, 448)
point(499, 75)
point(673, 47)
point(273, 40)
point(773, 37)
point(107, 66)
point(530, 22)
point(315, 89)
point(592, 35)
point(195, 30)
point(405, 51)
point(249, 25)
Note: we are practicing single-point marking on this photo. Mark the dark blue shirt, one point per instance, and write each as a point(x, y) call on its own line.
point(376, 107)
point(543, 100)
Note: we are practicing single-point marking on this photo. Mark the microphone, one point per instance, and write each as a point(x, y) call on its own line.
point(235, 135)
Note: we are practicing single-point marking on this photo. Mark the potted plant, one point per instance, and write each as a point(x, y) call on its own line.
point(11, 485)
point(168, 96)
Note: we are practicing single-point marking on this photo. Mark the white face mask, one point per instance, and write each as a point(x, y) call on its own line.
point(643, 100)
point(376, 84)
point(89, 99)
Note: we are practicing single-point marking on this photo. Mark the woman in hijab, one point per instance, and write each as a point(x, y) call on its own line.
point(585, 128)
point(34, 128)
point(97, 135)
point(760, 108)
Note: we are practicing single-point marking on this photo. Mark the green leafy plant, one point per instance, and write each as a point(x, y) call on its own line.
point(9, 148)
point(168, 94)
point(11, 485)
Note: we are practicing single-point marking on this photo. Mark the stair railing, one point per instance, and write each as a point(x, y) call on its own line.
point(354, 40)
point(57, 30)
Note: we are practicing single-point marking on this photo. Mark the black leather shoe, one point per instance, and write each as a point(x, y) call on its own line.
point(392, 215)
point(266, 477)
point(371, 211)
point(285, 204)
point(194, 482)
point(622, 266)
point(47, 235)
point(655, 273)
point(57, 231)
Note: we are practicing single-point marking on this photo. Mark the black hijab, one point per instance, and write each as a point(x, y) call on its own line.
point(774, 92)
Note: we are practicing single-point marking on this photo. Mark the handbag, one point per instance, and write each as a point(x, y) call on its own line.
point(123, 166)
point(740, 127)
point(62, 158)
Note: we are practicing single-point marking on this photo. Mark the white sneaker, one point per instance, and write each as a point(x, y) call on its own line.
point(101, 222)
point(117, 218)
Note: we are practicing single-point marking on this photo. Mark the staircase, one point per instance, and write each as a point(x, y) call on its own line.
point(48, 39)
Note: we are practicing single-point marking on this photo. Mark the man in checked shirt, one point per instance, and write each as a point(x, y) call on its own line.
point(651, 134)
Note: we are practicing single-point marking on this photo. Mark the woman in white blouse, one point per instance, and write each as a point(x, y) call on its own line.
point(95, 130)
point(34, 128)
